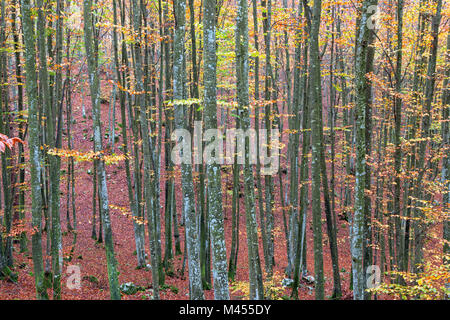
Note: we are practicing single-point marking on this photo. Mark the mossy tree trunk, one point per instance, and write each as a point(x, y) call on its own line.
point(94, 84)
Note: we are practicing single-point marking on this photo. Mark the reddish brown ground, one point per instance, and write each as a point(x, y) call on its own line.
point(90, 256)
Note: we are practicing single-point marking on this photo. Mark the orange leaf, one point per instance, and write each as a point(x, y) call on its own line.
point(9, 143)
point(16, 140)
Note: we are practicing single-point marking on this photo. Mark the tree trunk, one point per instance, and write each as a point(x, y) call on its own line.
point(254, 264)
point(94, 84)
point(179, 93)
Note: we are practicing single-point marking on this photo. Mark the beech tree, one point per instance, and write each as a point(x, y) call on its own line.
point(179, 94)
point(255, 274)
point(362, 87)
point(94, 83)
point(215, 214)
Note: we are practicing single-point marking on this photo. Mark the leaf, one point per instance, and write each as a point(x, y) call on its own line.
point(337, 87)
point(9, 143)
point(16, 140)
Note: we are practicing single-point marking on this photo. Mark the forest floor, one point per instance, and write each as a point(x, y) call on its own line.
point(90, 255)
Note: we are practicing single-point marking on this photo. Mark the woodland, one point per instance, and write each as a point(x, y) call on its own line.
point(224, 149)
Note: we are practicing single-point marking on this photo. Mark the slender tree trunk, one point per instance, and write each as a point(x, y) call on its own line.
point(445, 174)
point(215, 212)
point(179, 93)
point(94, 83)
point(419, 226)
point(255, 273)
point(33, 141)
point(316, 122)
point(149, 165)
point(362, 86)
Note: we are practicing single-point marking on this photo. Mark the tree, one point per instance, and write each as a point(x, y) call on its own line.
point(419, 227)
point(149, 178)
point(445, 174)
point(254, 264)
point(179, 94)
point(51, 139)
point(215, 214)
point(34, 145)
point(94, 84)
point(361, 85)
point(316, 144)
